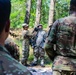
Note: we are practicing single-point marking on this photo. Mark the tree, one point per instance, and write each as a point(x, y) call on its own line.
point(61, 8)
point(18, 14)
point(51, 12)
point(44, 12)
point(33, 13)
point(38, 12)
point(27, 15)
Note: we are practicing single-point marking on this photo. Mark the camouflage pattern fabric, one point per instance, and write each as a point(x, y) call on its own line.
point(25, 51)
point(33, 39)
point(39, 46)
point(12, 48)
point(25, 46)
point(63, 72)
point(63, 35)
point(41, 36)
point(26, 34)
point(68, 73)
point(39, 52)
point(9, 66)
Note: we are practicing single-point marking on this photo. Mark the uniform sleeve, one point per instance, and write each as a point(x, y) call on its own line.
point(29, 34)
point(50, 41)
point(9, 66)
point(25, 34)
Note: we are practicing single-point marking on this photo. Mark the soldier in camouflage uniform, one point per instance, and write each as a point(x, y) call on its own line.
point(61, 44)
point(13, 48)
point(25, 44)
point(39, 47)
point(8, 65)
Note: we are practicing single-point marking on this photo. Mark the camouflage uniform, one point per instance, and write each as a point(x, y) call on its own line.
point(9, 66)
point(25, 46)
point(12, 48)
point(39, 47)
point(61, 45)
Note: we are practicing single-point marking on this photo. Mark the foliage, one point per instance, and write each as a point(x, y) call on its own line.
point(19, 9)
point(45, 12)
point(17, 13)
point(33, 13)
point(61, 8)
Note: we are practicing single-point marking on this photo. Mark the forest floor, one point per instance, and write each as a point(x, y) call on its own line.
point(38, 70)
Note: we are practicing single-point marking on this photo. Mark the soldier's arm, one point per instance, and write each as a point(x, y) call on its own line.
point(50, 41)
point(9, 66)
point(30, 35)
point(25, 34)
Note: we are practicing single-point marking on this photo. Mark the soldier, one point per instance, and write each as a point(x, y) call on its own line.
point(25, 44)
point(13, 48)
point(34, 37)
point(39, 47)
point(63, 36)
point(8, 65)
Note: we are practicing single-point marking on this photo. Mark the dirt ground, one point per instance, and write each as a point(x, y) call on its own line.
point(46, 68)
point(40, 70)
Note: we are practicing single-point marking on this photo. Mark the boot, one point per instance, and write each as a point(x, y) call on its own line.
point(42, 63)
point(34, 63)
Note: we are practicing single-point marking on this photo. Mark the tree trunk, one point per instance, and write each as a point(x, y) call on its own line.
point(51, 12)
point(27, 15)
point(38, 12)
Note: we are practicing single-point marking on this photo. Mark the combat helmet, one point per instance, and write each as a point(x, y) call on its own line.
point(24, 24)
point(39, 25)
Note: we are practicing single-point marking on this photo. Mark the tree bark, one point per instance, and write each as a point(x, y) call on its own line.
point(51, 12)
point(38, 12)
point(27, 14)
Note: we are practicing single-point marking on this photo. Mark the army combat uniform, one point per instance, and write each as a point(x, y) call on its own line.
point(13, 48)
point(25, 46)
point(61, 46)
point(9, 66)
point(39, 48)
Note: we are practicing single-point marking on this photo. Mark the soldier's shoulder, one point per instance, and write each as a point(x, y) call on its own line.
point(68, 19)
point(8, 40)
point(13, 65)
point(61, 20)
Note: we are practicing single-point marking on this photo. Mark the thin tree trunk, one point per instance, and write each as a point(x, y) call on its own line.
point(38, 12)
point(51, 12)
point(27, 15)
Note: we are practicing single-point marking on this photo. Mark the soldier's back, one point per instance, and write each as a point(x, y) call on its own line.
point(65, 44)
point(66, 36)
point(13, 48)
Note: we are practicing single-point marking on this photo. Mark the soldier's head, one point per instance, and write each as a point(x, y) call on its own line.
point(5, 9)
point(40, 27)
point(72, 6)
point(25, 26)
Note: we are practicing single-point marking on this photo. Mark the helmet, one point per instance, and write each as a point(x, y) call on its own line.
point(39, 25)
point(24, 24)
